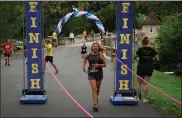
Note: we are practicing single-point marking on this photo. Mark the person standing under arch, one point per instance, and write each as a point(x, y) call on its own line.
point(18, 46)
point(145, 67)
point(85, 35)
point(92, 33)
point(83, 50)
point(54, 39)
point(72, 37)
point(96, 62)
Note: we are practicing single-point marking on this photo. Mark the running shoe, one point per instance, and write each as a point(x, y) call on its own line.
point(56, 71)
point(145, 101)
point(138, 99)
point(95, 107)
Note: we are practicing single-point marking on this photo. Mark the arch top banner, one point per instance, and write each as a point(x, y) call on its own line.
point(78, 13)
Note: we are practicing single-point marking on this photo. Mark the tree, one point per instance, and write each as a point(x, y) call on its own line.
point(171, 43)
point(12, 20)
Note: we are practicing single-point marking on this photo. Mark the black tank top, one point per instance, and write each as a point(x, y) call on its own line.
point(95, 59)
point(84, 48)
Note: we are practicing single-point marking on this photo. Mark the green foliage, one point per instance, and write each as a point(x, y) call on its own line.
point(171, 85)
point(139, 21)
point(171, 42)
point(76, 25)
point(108, 16)
point(12, 20)
point(159, 7)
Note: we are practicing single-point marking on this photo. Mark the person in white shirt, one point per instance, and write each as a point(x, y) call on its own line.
point(18, 46)
point(72, 37)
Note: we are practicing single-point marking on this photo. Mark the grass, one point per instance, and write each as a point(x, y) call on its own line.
point(171, 85)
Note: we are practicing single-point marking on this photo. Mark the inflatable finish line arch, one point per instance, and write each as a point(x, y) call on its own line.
point(78, 13)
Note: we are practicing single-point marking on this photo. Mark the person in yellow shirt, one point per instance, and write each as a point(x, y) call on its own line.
point(49, 56)
point(54, 38)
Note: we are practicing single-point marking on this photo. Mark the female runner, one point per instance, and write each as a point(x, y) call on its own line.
point(95, 72)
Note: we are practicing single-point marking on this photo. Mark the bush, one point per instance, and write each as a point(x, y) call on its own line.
point(170, 41)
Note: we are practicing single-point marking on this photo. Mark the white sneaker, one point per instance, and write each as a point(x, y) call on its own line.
point(145, 101)
point(138, 99)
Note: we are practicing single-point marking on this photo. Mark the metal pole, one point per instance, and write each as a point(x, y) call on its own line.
point(134, 18)
point(24, 68)
point(115, 52)
point(42, 18)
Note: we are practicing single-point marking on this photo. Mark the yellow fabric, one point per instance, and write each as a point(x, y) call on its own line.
point(48, 49)
point(54, 35)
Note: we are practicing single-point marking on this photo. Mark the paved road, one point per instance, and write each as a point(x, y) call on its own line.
point(59, 103)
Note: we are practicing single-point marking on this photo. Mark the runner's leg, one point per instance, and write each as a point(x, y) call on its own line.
point(6, 59)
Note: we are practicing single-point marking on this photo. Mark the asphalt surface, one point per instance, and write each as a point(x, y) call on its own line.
point(59, 104)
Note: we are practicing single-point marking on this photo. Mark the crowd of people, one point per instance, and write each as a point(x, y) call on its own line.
point(96, 60)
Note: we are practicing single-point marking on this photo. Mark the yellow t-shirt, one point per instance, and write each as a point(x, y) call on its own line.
point(54, 35)
point(48, 49)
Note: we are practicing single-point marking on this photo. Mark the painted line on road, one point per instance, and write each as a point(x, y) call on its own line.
point(82, 108)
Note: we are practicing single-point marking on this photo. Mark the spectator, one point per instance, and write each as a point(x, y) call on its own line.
point(72, 37)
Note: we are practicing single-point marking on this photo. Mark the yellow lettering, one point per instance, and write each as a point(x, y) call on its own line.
point(35, 83)
point(123, 84)
point(33, 22)
point(125, 24)
point(35, 68)
point(124, 70)
point(34, 37)
point(34, 53)
point(33, 6)
point(125, 7)
point(125, 38)
point(124, 54)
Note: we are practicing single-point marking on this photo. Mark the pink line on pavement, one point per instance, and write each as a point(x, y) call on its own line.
point(83, 109)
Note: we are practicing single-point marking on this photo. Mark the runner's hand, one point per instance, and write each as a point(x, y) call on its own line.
point(95, 65)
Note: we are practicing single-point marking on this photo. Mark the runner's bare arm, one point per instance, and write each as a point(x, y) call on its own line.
point(103, 60)
point(84, 63)
point(85, 60)
point(156, 57)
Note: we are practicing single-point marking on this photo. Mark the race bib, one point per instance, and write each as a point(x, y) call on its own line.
point(93, 70)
